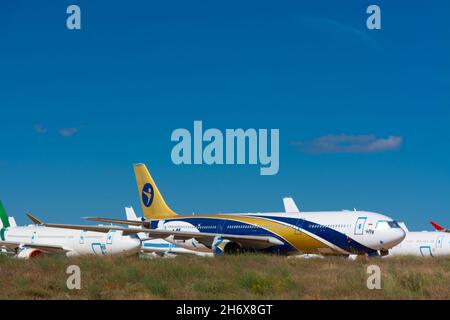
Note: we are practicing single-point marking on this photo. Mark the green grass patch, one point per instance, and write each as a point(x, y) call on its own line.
point(246, 276)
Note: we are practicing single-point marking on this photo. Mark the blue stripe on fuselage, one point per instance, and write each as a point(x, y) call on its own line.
point(225, 226)
point(337, 238)
point(159, 245)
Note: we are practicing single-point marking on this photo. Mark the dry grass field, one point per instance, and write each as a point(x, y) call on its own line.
point(248, 276)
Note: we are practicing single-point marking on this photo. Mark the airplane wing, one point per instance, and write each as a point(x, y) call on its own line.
point(44, 248)
point(118, 221)
point(9, 245)
point(259, 242)
point(99, 228)
point(33, 218)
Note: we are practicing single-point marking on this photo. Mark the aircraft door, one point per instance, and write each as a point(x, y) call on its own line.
point(220, 226)
point(439, 241)
point(109, 237)
point(359, 226)
point(33, 237)
point(425, 251)
point(98, 248)
point(82, 237)
point(298, 227)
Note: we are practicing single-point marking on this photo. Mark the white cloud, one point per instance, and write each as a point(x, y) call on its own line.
point(350, 144)
point(68, 132)
point(39, 128)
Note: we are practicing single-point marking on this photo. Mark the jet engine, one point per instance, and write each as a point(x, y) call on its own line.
point(29, 253)
point(221, 246)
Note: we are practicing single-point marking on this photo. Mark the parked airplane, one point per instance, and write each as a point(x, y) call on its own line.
point(336, 232)
point(423, 243)
point(159, 246)
point(33, 240)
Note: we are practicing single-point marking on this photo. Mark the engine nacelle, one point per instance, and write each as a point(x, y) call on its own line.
point(29, 253)
point(221, 246)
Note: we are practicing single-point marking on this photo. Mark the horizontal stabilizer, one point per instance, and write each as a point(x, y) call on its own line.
point(118, 221)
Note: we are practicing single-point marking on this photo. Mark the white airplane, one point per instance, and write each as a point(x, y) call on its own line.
point(159, 246)
point(423, 243)
point(335, 232)
point(33, 240)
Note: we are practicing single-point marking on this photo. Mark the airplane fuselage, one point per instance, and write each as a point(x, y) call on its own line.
point(74, 242)
point(423, 244)
point(334, 232)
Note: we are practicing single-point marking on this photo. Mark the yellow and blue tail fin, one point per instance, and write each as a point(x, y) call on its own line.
point(152, 202)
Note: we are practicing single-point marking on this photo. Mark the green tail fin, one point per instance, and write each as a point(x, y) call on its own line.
point(4, 222)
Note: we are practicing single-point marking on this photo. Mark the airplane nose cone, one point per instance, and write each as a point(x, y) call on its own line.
point(393, 237)
point(132, 246)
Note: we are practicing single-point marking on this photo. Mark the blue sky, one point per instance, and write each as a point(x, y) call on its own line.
point(80, 107)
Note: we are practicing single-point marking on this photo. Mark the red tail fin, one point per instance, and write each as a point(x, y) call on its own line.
point(436, 226)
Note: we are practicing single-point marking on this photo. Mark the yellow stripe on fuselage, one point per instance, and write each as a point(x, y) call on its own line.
point(298, 239)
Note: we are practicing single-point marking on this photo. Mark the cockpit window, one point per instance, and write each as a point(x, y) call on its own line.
point(382, 225)
point(385, 225)
point(393, 224)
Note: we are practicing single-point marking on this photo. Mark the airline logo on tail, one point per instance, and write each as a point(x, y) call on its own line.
point(147, 195)
point(153, 204)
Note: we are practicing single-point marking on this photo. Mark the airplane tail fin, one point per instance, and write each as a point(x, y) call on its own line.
point(152, 202)
point(4, 221)
point(290, 206)
point(438, 227)
point(131, 215)
point(12, 222)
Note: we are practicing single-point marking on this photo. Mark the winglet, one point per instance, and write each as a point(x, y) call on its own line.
point(34, 219)
point(436, 226)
